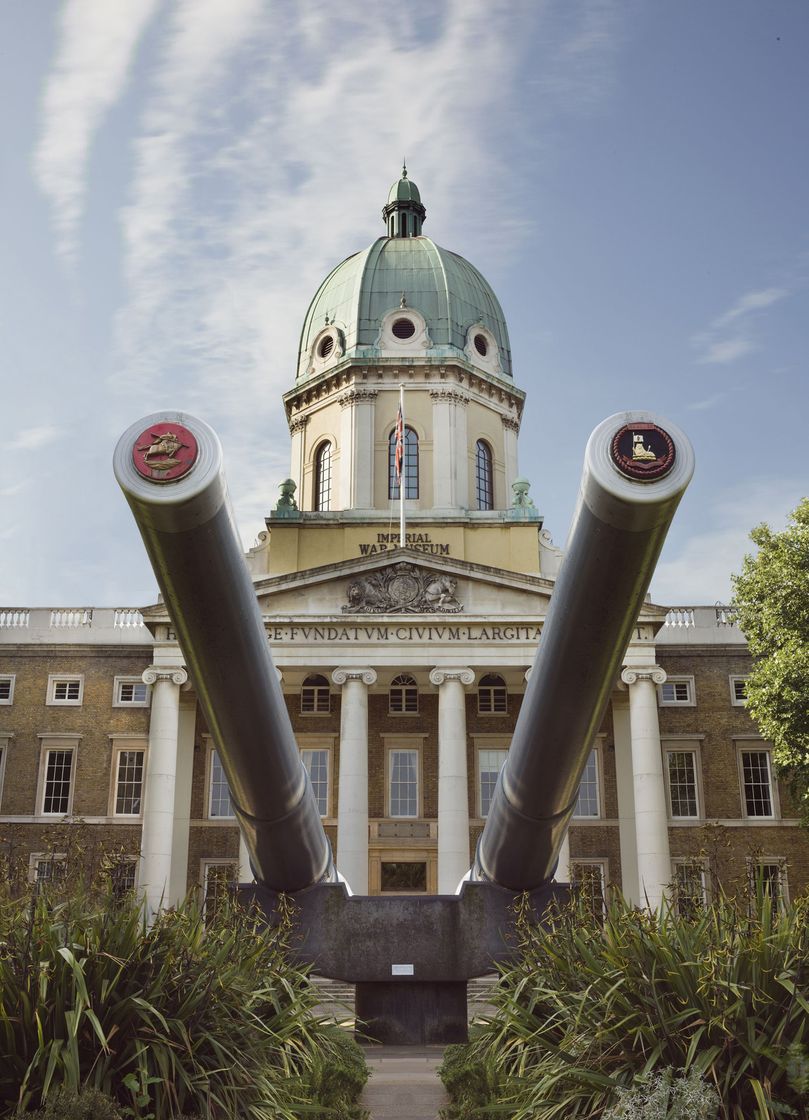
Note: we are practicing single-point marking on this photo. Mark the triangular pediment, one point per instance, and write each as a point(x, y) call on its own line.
point(404, 584)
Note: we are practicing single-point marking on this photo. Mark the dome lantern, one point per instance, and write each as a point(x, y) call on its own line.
point(404, 213)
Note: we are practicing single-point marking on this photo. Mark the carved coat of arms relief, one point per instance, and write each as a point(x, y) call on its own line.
point(403, 589)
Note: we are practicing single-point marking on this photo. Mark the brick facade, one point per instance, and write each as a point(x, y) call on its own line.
point(712, 728)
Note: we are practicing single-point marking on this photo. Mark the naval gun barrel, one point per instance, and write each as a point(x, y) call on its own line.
point(636, 469)
point(169, 466)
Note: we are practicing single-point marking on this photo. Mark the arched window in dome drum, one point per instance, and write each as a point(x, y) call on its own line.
point(322, 493)
point(484, 475)
point(410, 466)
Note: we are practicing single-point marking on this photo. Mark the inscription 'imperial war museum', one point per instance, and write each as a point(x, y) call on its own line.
point(387, 542)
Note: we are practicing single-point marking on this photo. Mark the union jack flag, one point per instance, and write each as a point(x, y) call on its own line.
point(398, 455)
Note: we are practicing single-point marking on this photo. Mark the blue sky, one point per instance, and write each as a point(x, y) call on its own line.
point(178, 176)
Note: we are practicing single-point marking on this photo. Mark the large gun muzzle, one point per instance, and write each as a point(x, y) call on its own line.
point(636, 469)
point(169, 466)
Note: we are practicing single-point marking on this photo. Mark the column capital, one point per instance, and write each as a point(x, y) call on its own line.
point(439, 676)
point(157, 673)
point(367, 676)
point(447, 393)
point(651, 673)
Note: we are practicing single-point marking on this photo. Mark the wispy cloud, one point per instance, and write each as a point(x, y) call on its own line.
point(224, 251)
point(714, 345)
point(31, 439)
point(725, 350)
point(707, 402)
point(97, 44)
point(700, 572)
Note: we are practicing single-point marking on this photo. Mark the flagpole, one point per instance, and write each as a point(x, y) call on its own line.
point(402, 536)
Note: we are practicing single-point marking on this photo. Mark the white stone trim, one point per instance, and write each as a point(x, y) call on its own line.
point(490, 361)
point(117, 702)
point(56, 678)
point(317, 363)
point(416, 346)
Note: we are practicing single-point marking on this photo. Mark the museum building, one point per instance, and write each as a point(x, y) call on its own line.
point(403, 663)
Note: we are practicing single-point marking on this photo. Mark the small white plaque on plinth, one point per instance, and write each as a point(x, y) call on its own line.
point(401, 970)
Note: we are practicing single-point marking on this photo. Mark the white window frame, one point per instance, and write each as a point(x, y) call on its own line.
point(402, 747)
point(35, 858)
point(601, 865)
point(119, 745)
point(68, 743)
point(677, 746)
point(696, 865)
point(11, 678)
point(205, 865)
point(493, 711)
point(754, 862)
point(319, 687)
point(690, 702)
point(757, 747)
point(209, 774)
point(57, 678)
point(310, 747)
point(595, 756)
point(403, 689)
point(735, 702)
point(117, 702)
point(479, 750)
point(129, 857)
point(5, 743)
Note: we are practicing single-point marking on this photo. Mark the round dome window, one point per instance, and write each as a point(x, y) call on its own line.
point(326, 346)
point(481, 345)
point(404, 328)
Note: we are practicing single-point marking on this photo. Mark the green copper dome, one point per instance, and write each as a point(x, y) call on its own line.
point(404, 282)
point(404, 190)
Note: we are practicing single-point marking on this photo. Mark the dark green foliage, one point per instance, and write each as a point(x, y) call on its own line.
point(338, 1075)
point(721, 998)
point(470, 1077)
point(87, 1105)
point(172, 1020)
point(771, 597)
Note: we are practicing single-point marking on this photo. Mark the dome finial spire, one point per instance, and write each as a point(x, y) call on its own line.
point(404, 212)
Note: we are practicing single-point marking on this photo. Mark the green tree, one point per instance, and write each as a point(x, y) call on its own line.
point(772, 600)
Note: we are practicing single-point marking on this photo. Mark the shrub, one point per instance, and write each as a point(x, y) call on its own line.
point(87, 1105)
point(589, 1010)
point(470, 1078)
point(177, 1018)
point(339, 1072)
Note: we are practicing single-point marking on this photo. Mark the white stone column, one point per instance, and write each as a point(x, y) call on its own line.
point(651, 821)
point(245, 870)
point(297, 432)
point(625, 782)
point(161, 777)
point(562, 873)
point(352, 804)
point(357, 449)
point(511, 430)
point(181, 825)
point(450, 449)
point(453, 788)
